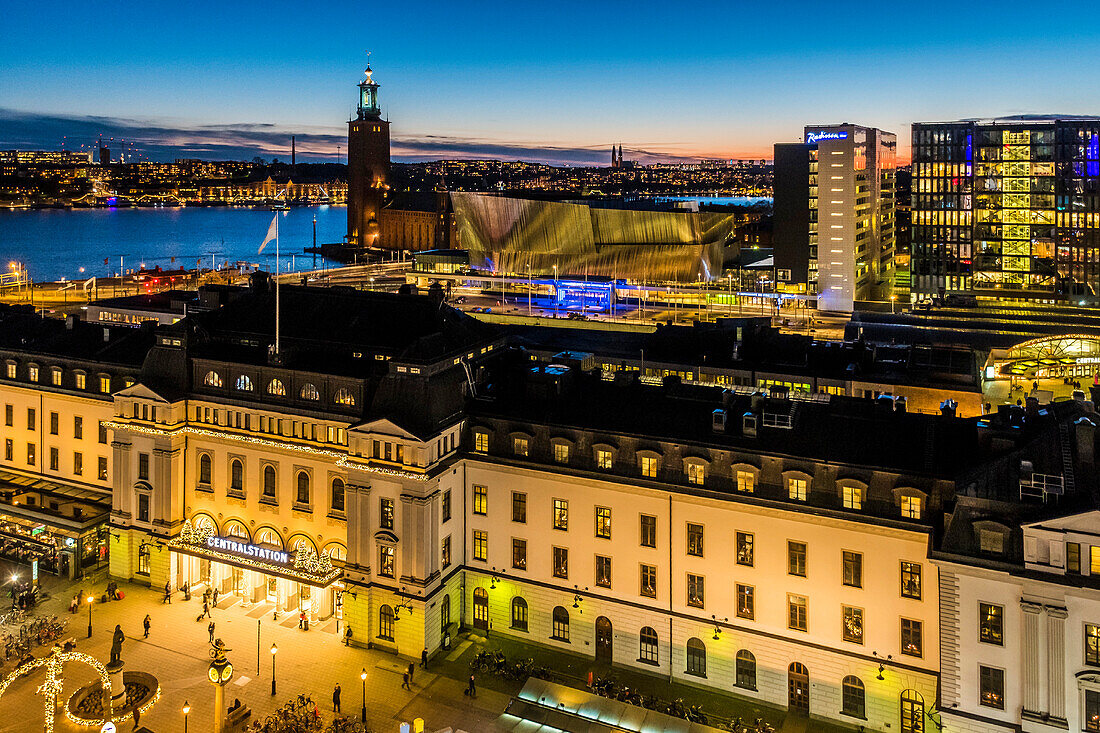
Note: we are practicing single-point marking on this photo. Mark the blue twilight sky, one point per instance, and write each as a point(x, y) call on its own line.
point(558, 81)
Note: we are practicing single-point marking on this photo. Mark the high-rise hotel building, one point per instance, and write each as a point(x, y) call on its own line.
point(834, 215)
point(1007, 209)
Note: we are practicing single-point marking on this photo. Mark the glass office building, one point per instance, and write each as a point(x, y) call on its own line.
point(1007, 209)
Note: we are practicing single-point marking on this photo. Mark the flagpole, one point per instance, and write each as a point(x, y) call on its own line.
point(276, 283)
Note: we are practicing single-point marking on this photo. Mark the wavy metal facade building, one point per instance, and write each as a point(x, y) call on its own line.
point(510, 235)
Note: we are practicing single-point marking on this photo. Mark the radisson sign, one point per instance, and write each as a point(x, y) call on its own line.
point(228, 544)
point(816, 137)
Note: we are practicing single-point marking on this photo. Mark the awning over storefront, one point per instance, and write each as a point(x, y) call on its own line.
point(1052, 352)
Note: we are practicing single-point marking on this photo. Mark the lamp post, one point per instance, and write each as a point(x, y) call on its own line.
point(186, 710)
point(274, 649)
point(90, 599)
point(363, 712)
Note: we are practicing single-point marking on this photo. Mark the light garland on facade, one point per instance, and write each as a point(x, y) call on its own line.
point(341, 457)
point(308, 565)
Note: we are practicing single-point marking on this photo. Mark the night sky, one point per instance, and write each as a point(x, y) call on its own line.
point(558, 81)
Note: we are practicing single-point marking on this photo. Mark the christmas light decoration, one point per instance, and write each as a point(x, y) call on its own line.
point(53, 683)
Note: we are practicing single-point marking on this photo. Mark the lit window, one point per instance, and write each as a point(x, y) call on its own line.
point(745, 548)
point(797, 488)
point(603, 522)
point(694, 539)
point(481, 545)
point(32, 373)
point(55, 377)
point(603, 571)
point(1092, 645)
point(519, 554)
point(912, 637)
point(309, 392)
point(910, 507)
point(746, 482)
point(746, 601)
point(649, 581)
point(244, 383)
point(852, 624)
point(212, 379)
point(561, 562)
point(696, 473)
point(481, 442)
point(991, 624)
point(852, 497)
point(561, 452)
point(991, 682)
point(81, 381)
point(481, 499)
point(649, 466)
point(276, 388)
point(104, 384)
point(911, 580)
point(561, 514)
point(603, 459)
point(796, 612)
point(385, 513)
point(560, 628)
point(648, 643)
point(386, 561)
point(696, 590)
point(519, 446)
point(344, 397)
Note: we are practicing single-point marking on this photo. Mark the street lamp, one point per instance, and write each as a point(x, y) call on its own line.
point(363, 712)
point(273, 650)
point(372, 284)
point(186, 710)
point(90, 599)
point(893, 299)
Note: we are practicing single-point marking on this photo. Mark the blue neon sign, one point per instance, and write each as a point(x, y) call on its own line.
point(816, 137)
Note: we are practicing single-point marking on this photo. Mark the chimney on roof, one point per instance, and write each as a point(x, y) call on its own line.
point(749, 422)
point(69, 321)
point(718, 421)
point(106, 334)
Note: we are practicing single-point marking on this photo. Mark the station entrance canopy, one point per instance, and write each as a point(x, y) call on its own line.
point(1051, 357)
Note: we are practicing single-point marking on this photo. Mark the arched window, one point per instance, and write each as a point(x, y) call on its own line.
point(143, 559)
point(519, 614)
point(444, 614)
point(912, 712)
point(745, 670)
point(853, 700)
point(647, 640)
point(204, 468)
point(234, 528)
point(269, 481)
point(385, 623)
point(236, 475)
point(344, 397)
point(277, 388)
point(212, 379)
point(244, 383)
point(338, 495)
point(303, 488)
point(269, 538)
point(560, 629)
point(309, 392)
point(337, 553)
point(202, 521)
point(696, 657)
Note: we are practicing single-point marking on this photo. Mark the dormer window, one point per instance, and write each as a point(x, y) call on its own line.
point(244, 383)
point(212, 379)
point(11, 367)
point(309, 392)
point(344, 397)
point(911, 507)
point(481, 441)
point(991, 542)
point(55, 376)
point(520, 446)
point(32, 373)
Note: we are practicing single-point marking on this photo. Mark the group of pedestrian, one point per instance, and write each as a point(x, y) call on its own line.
point(112, 591)
point(23, 596)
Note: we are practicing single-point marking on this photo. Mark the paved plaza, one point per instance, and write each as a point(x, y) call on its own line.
point(176, 652)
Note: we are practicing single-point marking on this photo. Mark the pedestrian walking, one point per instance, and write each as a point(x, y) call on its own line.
point(405, 681)
point(210, 628)
point(215, 598)
point(412, 668)
point(145, 623)
point(205, 610)
point(471, 689)
point(424, 658)
point(301, 619)
point(168, 592)
point(205, 594)
point(336, 698)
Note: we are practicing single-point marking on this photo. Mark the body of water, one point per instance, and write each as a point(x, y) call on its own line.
point(56, 243)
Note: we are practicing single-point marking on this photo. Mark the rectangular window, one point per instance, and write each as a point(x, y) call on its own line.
point(32, 419)
point(1092, 645)
point(143, 466)
point(649, 466)
point(561, 514)
point(386, 561)
point(796, 558)
point(745, 548)
point(55, 419)
point(81, 381)
point(9, 416)
point(852, 624)
point(101, 469)
point(852, 497)
point(796, 612)
point(1094, 560)
point(696, 473)
point(481, 499)
point(746, 602)
point(481, 545)
point(78, 427)
point(143, 508)
point(105, 384)
point(385, 513)
point(445, 554)
point(603, 459)
point(911, 580)
point(446, 508)
point(481, 442)
point(143, 560)
point(519, 446)
point(603, 522)
point(30, 454)
point(9, 450)
point(991, 620)
point(910, 507)
point(519, 507)
point(797, 488)
point(32, 373)
point(1073, 558)
point(55, 459)
point(102, 433)
point(695, 590)
point(648, 536)
point(694, 539)
point(912, 637)
point(55, 377)
point(561, 562)
point(991, 682)
point(853, 569)
point(746, 482)
point(1092, 710)
point(561, 452)
point(649, 581)
point(603, 571)
point(519, 554)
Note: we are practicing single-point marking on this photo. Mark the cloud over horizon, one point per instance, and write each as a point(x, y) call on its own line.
point(164, 141)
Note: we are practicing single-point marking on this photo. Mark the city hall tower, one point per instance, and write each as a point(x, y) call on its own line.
point(368, 165)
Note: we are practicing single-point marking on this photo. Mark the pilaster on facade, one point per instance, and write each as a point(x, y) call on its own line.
point(1056, 661)
point(1032, 697)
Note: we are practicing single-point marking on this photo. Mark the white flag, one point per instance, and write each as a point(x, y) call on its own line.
point(270, 233)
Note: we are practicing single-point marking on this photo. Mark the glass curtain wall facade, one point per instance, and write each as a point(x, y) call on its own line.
point(1006, 210)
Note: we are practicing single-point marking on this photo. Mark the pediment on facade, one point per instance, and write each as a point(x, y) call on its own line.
point(383, 535)
point(1082, 523)
point(384, 426)
point(140, 391)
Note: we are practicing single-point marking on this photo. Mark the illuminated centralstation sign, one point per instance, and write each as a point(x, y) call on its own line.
point(228, 544)
point(816, 137)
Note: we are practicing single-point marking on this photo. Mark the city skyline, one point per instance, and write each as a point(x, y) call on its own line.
point(517, 82)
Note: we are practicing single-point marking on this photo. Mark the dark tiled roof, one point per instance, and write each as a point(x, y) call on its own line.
point(23, 330)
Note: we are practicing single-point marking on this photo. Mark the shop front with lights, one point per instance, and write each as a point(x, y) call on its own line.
point(261, 568)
